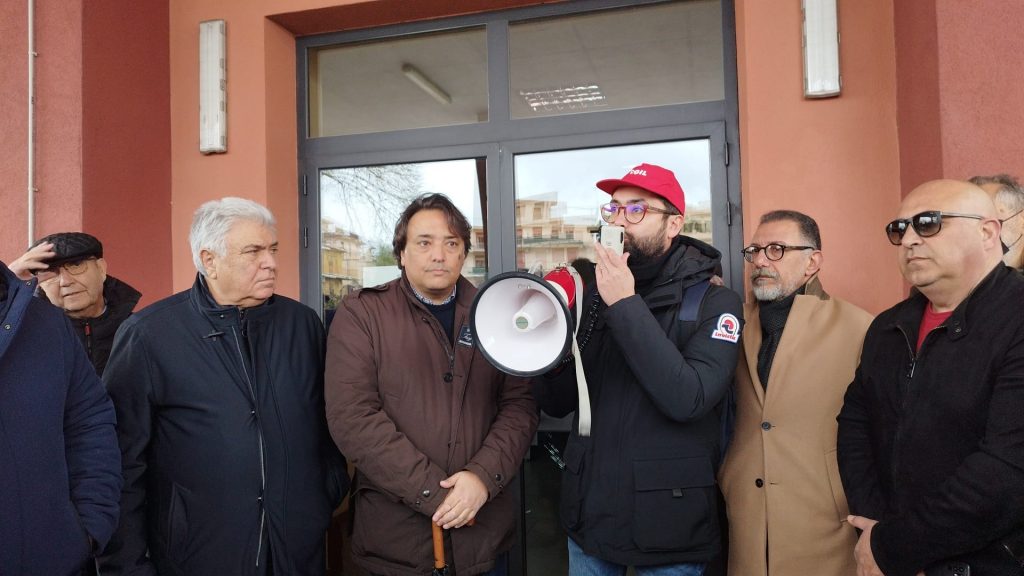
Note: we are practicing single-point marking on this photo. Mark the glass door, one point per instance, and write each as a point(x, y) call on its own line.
point(556, 214)
point(360, 206)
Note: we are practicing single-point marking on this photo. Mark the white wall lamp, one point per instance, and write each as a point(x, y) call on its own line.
point(821, 49)
point(426, 84)
point(213, 96)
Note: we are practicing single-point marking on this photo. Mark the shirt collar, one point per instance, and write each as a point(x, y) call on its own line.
point(428, 302)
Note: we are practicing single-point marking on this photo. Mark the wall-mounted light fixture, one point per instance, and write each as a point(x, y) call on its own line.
point(821, 49)
point(213, 96)
point(426, 84)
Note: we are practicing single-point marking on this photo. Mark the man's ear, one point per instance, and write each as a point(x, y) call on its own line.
point(209, 260)
point(103, 267)
point(674, 225)
point(814, 263)
point(990, 232)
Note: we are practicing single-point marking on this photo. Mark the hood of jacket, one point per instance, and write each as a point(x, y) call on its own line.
point(691, 261)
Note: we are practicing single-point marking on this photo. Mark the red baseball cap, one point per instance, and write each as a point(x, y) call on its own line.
point(654, 179)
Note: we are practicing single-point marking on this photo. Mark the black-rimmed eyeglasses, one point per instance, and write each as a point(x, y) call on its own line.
point(925, 224)
point(634, 211)
point(773, 251)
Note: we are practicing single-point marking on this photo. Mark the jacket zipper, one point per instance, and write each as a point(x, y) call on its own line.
point(450, 352)
point(259, 435)
point(88, 339)
point(904, 401)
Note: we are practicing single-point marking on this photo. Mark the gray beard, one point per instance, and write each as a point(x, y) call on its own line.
point(769, 293)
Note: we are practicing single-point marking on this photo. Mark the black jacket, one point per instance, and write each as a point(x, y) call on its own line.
point(641, 489)
point(97, 334)
point(931, 443)
point(224, 439)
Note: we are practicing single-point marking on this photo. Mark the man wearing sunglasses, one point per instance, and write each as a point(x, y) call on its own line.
point(931, 433)
point(1008, 197)
point(640, 489)
point(800, 349)
point(73, 276)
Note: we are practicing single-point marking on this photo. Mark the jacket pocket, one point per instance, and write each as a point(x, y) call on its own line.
point(177, 521)
point(836, 483)
point(571, 508)
point(672, 504)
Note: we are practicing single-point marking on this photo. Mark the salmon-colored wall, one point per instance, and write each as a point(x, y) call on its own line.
point(126, 137)
point(58, 117)
point(102, 138)
point(835, 159)
point(960, 89)
point(261, 162)
point(981, 86)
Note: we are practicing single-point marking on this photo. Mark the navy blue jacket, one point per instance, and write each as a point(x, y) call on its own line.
point(60, 467)
point(224, 439)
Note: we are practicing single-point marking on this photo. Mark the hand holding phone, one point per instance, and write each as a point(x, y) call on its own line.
point(611, 238)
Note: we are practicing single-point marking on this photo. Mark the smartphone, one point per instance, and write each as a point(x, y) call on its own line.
point(611, 238)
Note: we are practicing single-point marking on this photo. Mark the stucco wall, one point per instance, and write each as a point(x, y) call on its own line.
point(835, 159)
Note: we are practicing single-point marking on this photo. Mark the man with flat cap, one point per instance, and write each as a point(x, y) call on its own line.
point(659, 345)
point(931, 438)
point(73, 275)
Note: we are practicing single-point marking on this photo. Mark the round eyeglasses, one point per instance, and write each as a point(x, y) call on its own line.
point(773, 251)
point(635, 211)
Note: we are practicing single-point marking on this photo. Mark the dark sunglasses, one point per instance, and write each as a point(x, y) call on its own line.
point(635, 212)
point(925, 224)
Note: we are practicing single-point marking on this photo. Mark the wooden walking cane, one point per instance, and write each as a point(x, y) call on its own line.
point(440, 566)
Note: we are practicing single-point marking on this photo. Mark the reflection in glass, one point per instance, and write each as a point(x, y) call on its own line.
point(436, 79)
point(642, 56)
point(360, 206)
point(558, 206)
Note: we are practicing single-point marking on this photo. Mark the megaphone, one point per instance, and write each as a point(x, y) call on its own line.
point(525, 325)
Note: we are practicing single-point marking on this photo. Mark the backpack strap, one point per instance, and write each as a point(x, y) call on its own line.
point(689, 312)
point(693, 297)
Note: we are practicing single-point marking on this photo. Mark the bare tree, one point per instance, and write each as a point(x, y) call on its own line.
point(374, 195)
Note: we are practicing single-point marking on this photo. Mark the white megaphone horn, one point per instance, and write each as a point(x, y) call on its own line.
point(525, 325)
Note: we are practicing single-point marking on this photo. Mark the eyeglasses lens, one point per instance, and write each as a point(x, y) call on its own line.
point(634, 212)
point(925, 224)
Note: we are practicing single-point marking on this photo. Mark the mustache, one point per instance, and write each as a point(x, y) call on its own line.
point(763, 273)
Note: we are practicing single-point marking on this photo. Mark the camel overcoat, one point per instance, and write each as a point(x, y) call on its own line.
point(780, 477)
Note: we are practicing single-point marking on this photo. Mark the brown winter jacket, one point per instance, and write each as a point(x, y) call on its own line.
point(409, 415)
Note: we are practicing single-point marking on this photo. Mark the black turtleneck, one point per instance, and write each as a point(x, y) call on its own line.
point(773, 316)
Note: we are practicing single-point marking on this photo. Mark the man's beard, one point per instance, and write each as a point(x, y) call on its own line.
point(772, 293)
point(647, 249)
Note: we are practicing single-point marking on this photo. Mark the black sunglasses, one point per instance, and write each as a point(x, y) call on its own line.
point(925, 224)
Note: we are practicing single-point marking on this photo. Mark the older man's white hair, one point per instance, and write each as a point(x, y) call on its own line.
point(214, 219)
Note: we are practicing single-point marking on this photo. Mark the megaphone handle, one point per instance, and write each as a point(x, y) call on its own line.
point(583, 409)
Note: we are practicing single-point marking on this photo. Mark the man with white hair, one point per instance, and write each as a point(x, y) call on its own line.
point(1008, 196)
point(228, 464)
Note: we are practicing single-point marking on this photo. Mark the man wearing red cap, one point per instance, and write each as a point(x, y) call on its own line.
point(659, 346)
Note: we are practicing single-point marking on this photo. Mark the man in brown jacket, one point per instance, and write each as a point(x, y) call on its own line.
point(784, 498)
point(435, 432)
